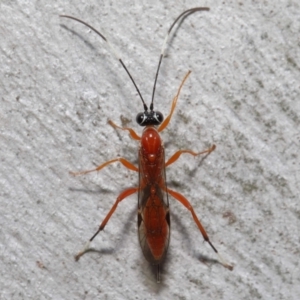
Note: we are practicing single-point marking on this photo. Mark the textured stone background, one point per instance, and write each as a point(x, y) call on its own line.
point(60, 85)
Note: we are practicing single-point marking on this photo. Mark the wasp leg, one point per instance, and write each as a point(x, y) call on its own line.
point(165, 123)
point(121, 197)
point(187, 204)
point(132, 133)
point(122, 160)
point(177, 154)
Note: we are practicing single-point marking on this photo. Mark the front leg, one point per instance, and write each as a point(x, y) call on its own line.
point(132, 133)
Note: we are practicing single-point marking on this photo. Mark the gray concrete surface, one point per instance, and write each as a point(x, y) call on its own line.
point(60, 85)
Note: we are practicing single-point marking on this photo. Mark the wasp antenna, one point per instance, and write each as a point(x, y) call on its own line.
point(112, 50)
point(181, 16)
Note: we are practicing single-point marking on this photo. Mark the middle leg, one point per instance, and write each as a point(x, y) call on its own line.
point(122, 160)
point(177, 154)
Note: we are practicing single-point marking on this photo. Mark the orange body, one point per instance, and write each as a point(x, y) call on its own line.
point(153, 203)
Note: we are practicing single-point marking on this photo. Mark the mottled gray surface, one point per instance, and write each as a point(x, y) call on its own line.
point(60, 85)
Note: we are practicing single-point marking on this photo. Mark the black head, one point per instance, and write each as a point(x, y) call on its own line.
point(149, 118)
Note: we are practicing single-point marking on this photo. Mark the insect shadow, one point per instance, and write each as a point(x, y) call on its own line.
point(81, 37)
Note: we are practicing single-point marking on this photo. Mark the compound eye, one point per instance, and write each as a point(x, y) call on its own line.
point(159, 117)
point(140, 118)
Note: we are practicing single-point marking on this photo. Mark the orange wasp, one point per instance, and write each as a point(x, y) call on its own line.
point(153, 201)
